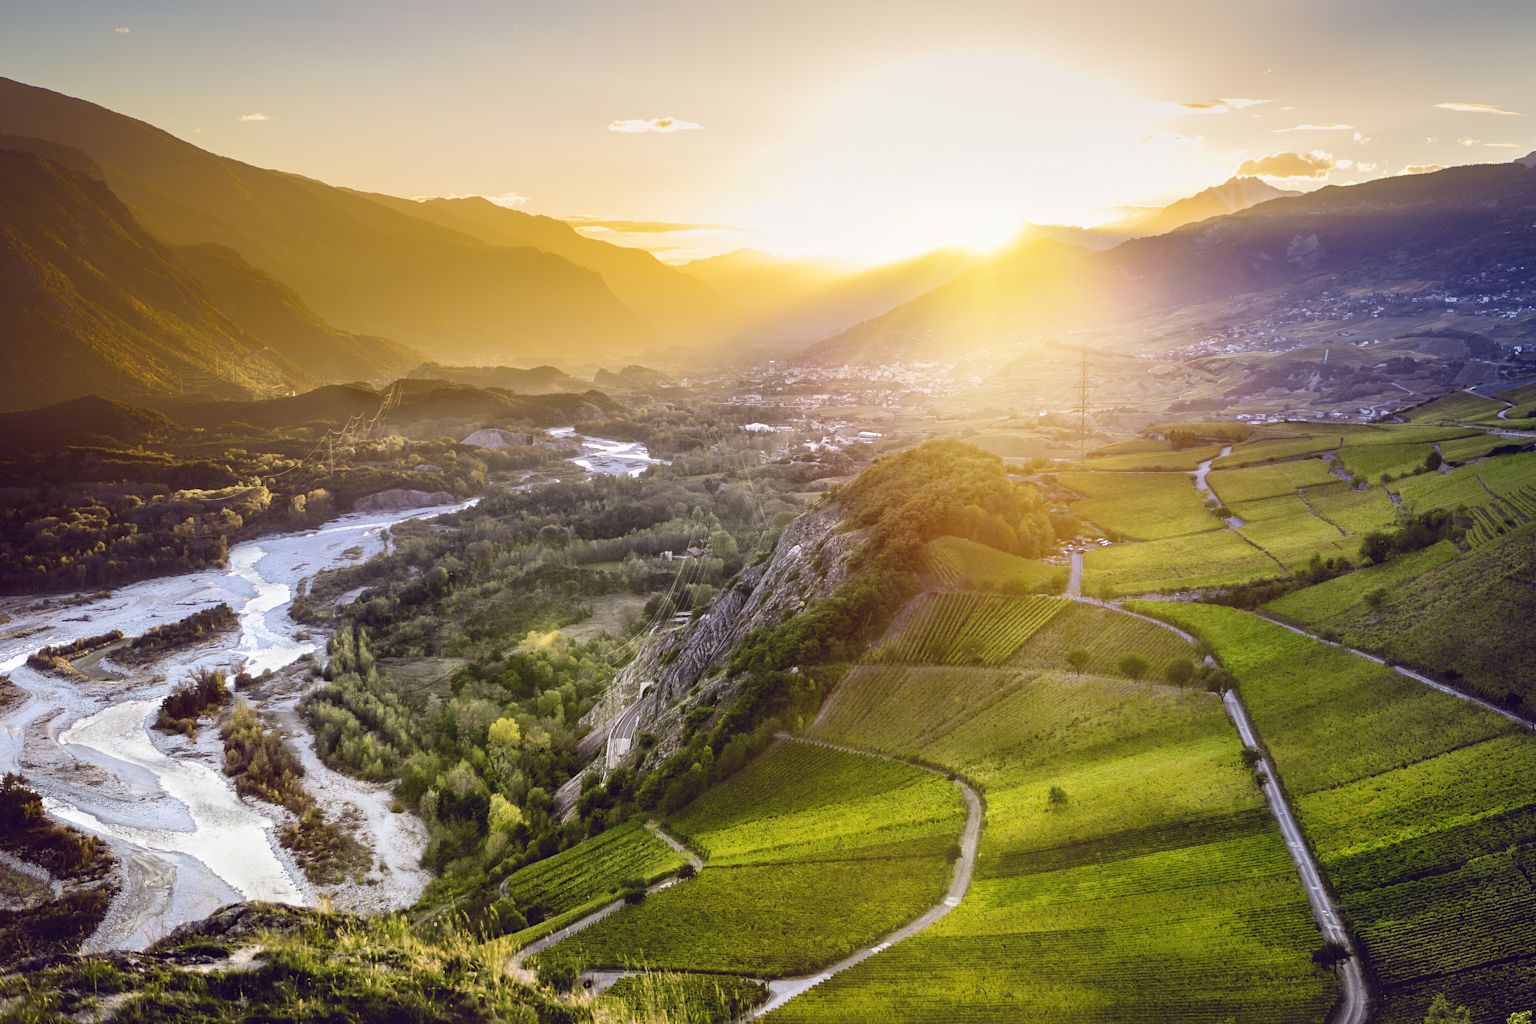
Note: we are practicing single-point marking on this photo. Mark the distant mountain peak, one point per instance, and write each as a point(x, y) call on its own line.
point(1528, 161)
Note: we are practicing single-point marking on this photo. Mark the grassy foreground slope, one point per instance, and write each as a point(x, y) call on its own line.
point(1421, 807)
point(1155, 887)
point(1463, 616)
point(810, 853)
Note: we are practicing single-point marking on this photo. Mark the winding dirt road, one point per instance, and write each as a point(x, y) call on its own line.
point(782, 990)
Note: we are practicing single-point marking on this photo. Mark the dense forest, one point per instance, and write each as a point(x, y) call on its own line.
point(449, 673)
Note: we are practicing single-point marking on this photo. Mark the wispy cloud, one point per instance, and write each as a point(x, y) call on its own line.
point(643, 227)
point(1422, 169)
point(122, 30)
point(1221, 106)
point(1316, 164)
point(1478, 108)
point(1317, 126)
point(634, 125)
point(254, 117)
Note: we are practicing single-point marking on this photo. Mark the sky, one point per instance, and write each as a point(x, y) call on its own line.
point(861, 131)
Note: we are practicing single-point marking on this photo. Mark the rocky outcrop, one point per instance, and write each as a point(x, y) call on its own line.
point(400, 498)
point(685, 666)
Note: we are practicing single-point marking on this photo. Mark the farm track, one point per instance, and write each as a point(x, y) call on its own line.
point(1408, 673)
point(520, 958)
point(1354, 994)
point(782, 990)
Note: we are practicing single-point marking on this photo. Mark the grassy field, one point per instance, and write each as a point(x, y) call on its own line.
point(1455, 408)
point(1376, 462)
point(810, 854)
point(1178, 563)
point(966, 628)
point(1286, 528)
point(1156, 890)
point(1422, 809)
point(1180, 459)
point(1463, 617)
point(1106, 635)
point(967, 565)
point(1233, 486)
point(1352, 509)
point(593, 870)
point(1252, 453)
point(1140, 506)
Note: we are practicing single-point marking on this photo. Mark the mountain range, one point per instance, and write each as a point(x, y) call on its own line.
point(138, 265)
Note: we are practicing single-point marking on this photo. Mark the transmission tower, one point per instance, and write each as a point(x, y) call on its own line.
point(1082, 409)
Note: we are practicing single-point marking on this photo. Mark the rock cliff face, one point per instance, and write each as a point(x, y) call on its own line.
point(682, 667)
point(399, 499)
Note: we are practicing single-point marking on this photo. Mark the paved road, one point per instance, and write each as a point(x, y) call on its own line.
point(782, 990)
point(622, 736)
point(1354, 995)
point(1409, 673)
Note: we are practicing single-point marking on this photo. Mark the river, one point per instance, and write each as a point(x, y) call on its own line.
point(186, 842)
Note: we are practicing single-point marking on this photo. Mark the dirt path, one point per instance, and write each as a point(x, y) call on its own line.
point(1354, 994)
point(782, 990)
point(520, 958)
point(1409, 673)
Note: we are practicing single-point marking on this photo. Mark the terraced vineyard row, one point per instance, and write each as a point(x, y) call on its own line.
point(967, 629)
point(1421, 807)
point(811, 853)
point(594, 870)
point(1502, 514)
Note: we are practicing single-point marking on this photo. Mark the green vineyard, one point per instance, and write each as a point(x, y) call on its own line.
point(593, 870)
point(967, 629)
point(810, 853)
point(966, 565)
point(1421, 807)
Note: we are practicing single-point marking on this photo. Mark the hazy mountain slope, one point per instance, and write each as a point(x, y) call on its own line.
point(1231, 196)
point(668, 299)
point(1028, 289)
point(269, 311)
point(1461, 229)
point(91, 420)
point(804, 299)
point(91, 304)
point(359, 264)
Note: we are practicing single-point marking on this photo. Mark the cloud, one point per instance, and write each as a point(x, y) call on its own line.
point(633, 125)
point(1478, 108)
point(122, 30)
point(1422, 169)
point(1316, 164)
point(254, 117)
point(1318, 126)
point(1221, 106)
point(510, 200)
point(643, 227)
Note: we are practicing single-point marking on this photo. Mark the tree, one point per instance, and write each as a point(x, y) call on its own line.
point(504, 734)
point(1441, 1012)
point(1133, 665)
point(1376, 547)
point(1520, 1017)
point(1330, 954)
point(1179, 671)
point(503, 815)
point(1432, 461)
point(1077, 659)
point(1057, 797)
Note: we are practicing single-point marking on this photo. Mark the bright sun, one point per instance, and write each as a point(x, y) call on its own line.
point(961, 150)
